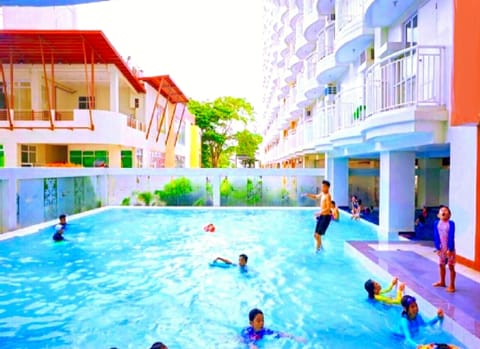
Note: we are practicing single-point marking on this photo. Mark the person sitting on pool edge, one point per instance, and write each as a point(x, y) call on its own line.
point(375, 291)
point(335, 212)
point(256, 331)
point(242, 261)
point(411, 321)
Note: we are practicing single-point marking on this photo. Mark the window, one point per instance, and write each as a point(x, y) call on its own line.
point(83, 102)
point(29, 155)
point(411, 31)
point(22, 95)
point(139, 157)
point(181, 134)
point(2, 156)
point(127, 158)
point(3, 102)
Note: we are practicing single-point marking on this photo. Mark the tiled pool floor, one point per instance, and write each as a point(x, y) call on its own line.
point(415, 264)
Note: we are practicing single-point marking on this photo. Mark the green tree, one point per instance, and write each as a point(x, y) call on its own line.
point(247, 146)
point(218, 121)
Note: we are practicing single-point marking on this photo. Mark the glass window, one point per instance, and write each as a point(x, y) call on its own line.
point(28, 154)
point(22, 95)
point(411, 31)
point(83, 102)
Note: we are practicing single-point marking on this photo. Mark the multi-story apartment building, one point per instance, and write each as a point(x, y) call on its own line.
point(67, 96)
point(363, 88)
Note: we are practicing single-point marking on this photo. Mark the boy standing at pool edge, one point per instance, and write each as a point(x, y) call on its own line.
point(324, 216)
point(444, 237)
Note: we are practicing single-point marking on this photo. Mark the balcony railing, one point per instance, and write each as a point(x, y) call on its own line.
point(414, 76)
point(350, 108)
point(135, 123)
point(349, 11)
point(326, 39)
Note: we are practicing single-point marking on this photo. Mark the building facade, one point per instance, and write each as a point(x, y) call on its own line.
point(363, 88)
point(68, 97)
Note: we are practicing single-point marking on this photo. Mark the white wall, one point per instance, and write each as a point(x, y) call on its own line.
point(54, 17)
point(463, 187)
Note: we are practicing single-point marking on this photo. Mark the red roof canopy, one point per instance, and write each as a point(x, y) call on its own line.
point(65, 46)
point(169, 89)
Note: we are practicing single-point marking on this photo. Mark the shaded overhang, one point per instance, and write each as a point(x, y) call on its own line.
point(167, 88)
point(63, 47)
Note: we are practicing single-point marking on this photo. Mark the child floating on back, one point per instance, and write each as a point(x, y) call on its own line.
point(256, 331)
point(375, 291)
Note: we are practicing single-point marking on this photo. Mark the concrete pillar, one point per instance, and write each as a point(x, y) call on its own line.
point(397, 191)
point(216, 182)
point(8, 207)
point(429, 182)
point(336, 171)
point(11, 152)
point(114, 90)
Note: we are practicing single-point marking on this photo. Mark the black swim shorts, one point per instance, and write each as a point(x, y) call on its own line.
point(322, 224)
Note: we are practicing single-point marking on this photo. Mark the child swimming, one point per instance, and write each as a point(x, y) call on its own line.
point(412, 321)
point(242, 261)
point(375, 291)
point(256, 331)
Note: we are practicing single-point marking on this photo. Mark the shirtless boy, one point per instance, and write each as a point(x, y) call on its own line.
point(324, 216)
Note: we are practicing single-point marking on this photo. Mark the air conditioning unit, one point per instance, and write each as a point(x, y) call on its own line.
point(134, 102)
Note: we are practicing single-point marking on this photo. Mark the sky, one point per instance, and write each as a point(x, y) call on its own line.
point(210, 48)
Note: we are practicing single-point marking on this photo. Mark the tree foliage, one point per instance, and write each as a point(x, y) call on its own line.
point(247, 146)
point(219, 121)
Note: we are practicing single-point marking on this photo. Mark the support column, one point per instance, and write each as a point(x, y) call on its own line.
point(336, 170)
point(429, 182)
point(114, 90)
point(8, 195)
point(464, 196)
point(216, 182)
point(10, 151)
point(397, 191)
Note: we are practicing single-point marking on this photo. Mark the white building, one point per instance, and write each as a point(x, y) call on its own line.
point(26, 17)
point(363, 87)
point(68, 97)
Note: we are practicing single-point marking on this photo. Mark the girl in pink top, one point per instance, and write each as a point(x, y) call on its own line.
point(444, 237)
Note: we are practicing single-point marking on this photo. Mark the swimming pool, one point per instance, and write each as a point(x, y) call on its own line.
point(129, 277)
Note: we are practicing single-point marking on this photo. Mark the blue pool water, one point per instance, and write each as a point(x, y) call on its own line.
point(128, 278)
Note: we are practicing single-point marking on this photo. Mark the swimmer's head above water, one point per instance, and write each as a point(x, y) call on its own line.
point(242, 260)
point(372, 288)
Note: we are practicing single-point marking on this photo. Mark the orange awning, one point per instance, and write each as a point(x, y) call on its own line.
point(466, 63)
point(66, 47)
point(169, 89)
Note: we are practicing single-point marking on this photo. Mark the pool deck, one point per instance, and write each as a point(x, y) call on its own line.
point(416, 264)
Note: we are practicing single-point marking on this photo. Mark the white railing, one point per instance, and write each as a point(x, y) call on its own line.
point(349, 11)
point(308, 132)
point(414, 76)
point(350, 108)
point(326, 39)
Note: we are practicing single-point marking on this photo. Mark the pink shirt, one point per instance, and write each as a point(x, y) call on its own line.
point(443, 229)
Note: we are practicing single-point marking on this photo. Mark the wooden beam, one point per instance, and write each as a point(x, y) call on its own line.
point(154, 108)
point(161, 120)
point(172, 121)
point(53, 112)
point(180, 125)
point(85, 64)
point(6, 96)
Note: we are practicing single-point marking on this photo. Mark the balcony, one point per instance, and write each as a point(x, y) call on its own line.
point(352, 34)
point(328, 69)
point(384, 13)
point(313, 22)
point(323, 119)
point(410, 78)
point(312, 89)
point(302, 100)
point(325, 7)
point(109, 127)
